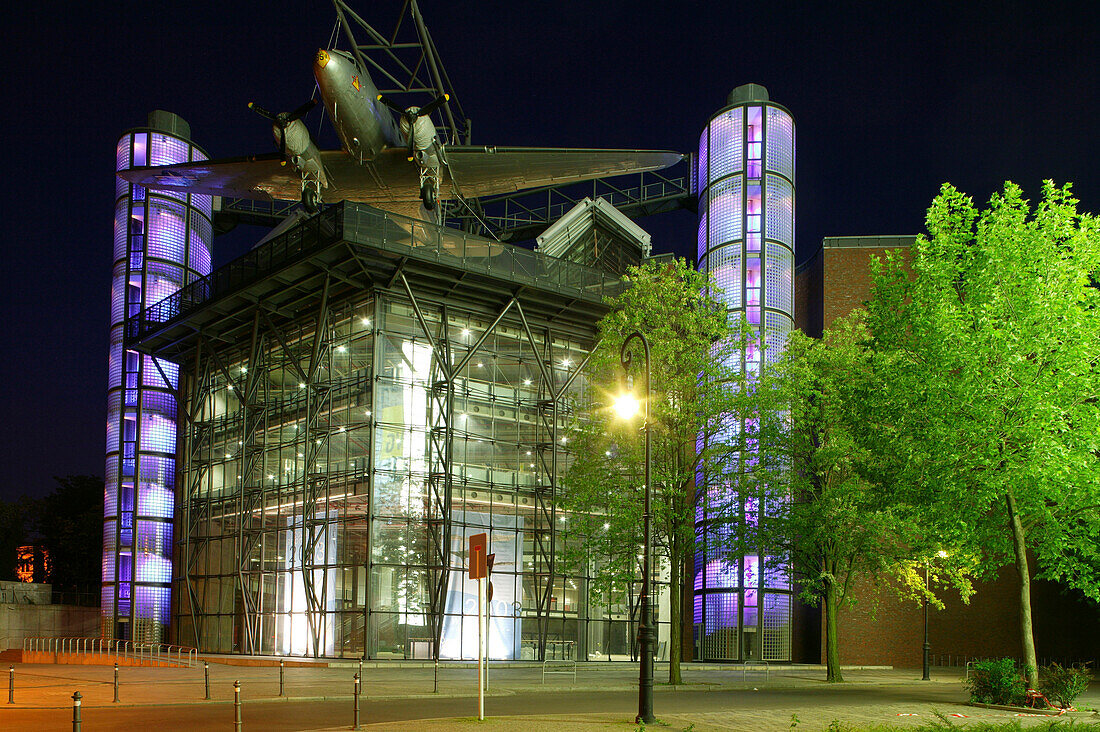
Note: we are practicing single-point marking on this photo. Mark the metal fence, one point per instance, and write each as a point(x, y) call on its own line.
point(107, 650)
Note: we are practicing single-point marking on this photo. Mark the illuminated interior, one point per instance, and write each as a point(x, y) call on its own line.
point(317, 476)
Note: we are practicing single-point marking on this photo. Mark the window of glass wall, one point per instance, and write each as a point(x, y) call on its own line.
point(320, 495)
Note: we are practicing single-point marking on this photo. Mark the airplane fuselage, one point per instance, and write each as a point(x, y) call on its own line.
point(364, 126)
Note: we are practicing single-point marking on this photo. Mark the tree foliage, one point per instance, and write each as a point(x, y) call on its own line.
point(692, 342)
point(994, 326)
point(825, 511)
point(69, 523)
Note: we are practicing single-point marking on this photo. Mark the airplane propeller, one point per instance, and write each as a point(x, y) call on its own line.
point(412, 114)
point(283, 119)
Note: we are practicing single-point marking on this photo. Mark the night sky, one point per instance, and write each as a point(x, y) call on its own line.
point(888, 104)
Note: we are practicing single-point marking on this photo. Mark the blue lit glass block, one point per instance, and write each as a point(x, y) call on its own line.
point(153, 603)
point(153, 568)
point(141, 149)
point(168, 150)
point(725, 144)
point(780, 142)
point(166, 232)
point(158, 433)
point(721, 611)
point(780, 210)
point(155, 500)
point(702, 248)
point(777, 328)
point(701, 162)
point(780, 278)
point(154, 539)
point(122, 153)
point(158, 469)
point(724, 265)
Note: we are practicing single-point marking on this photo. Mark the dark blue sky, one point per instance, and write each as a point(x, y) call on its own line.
point(889, 102)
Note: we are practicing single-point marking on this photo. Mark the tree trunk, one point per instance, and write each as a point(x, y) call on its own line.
point(832, 646)
point(1027, 637)
point(675, 618)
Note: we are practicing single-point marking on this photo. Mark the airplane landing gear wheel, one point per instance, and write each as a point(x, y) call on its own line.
point(311, 200)
point(427, 195)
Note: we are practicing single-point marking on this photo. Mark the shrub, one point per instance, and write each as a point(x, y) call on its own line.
point(996, 681)
point(1061, 685)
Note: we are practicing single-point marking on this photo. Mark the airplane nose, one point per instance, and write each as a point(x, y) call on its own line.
point(322, 58)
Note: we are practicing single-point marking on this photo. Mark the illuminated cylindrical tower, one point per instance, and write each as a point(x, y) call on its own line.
point(745, 180)
point(161, 243)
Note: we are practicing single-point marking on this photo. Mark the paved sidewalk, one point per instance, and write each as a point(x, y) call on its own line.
point(713, 697)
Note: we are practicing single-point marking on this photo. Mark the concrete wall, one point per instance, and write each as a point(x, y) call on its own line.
point(26, 612)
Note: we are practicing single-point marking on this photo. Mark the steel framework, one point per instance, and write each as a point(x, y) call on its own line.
point(282, 389)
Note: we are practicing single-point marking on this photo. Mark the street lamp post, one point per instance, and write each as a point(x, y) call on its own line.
point(927, 591)
point(927, 645)
point(645, 625)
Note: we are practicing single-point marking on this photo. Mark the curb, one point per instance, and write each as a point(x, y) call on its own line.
point(1024, 710)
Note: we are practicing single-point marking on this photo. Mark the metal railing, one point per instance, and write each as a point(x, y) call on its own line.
point(363, 225)
point(747, 666)
point(108, 649)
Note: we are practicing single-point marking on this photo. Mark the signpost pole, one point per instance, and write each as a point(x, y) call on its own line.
point(480, 649)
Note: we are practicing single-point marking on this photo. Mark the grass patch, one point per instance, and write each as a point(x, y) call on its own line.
point(967, 726)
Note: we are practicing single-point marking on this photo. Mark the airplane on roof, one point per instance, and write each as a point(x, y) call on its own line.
point(395, 162)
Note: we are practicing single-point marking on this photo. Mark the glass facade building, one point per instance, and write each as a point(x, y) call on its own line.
point(161, 244)
point(360, 394)
point(744, 176)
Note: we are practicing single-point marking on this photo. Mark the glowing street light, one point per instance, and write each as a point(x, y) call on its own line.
point(627, 405)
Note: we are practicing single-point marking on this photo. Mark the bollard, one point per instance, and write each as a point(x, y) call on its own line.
point(11, 684)
point(116, 682)
point(206, 674)
point(360, 668)
point(237, 706)
point(76, 712)
point(356, 717)
point(281, 679)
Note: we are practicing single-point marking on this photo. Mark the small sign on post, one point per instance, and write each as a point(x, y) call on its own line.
point(479, 544)
point(479, 570)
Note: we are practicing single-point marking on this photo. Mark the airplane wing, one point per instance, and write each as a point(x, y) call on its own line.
point(387, 179)
point(391, 179)
point(484, 171)
point(262, 177)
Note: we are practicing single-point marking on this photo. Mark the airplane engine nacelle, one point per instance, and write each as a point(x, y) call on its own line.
point(297, 138)
point(423, 132)
point(301, 152)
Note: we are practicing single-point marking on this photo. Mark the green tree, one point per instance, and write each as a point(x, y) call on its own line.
point(692, 342)
point(994, 326)
point(826, 513)
point(69, 522)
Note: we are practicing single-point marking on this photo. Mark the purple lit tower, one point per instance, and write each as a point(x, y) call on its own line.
point(161, 243)
point(745, 180)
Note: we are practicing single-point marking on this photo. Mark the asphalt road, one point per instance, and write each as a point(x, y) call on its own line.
point(276, 715)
